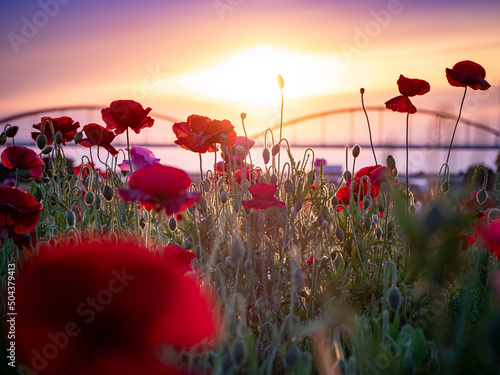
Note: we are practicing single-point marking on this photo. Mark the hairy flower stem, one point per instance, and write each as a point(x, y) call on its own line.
point(407, 126)
point(369, 128)
point(455, 129)
point(201, 168)
point(136, 211)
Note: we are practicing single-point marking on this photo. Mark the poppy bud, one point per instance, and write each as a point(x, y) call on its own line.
point(58, 137)
point(24, 174)
point(41, 141)
point(203, 204)
point(291, 358)
point(53, 199)
point(237, 251)
point(346, 175)
point(269, 351)
point(78, 137)
point(324, 225)
point(70, 219)
point(89, 198)
point(97, 204)
point(298, 206)
point(274, 179)
point(186, 243)
point(47, 150)
point(391, 225)
point(367, 223)
point(445, 187)
point(378, 233)
point(223, 196)
point(3, 139)
point(276, 149)
point(172, 224)
point(38, 194)
point(266, 155)
point(142, 222)
point(248, 265)
point(281, 82)
point(394, 299)
point(11, 131)
point(243, 115)
point(334, 201)
point(229, 262)
point(262, 180)
point(236, 206)
point(356, 150)
point(108, 193)
point(494, 214)
point(367, 202)
point(412, 209)
point(362, 90)
point(239, 352)
point(288, 186)
point(481, 196)
point(223, 138)
point(339, 233)
point(375, 218)
point(391, 163)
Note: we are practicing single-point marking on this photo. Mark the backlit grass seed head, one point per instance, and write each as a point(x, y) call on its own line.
point(390, 162)
point(394, 299)
point(281, 82)
point(41, 141)
point(89, 198)
point(481, 196)
point(266, 155)
point(172, 224)
point(276, 149)
point(356, 151)
point(11, 131)
point(108, 193)
point(339, 233)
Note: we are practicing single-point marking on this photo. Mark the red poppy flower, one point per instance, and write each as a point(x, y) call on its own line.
point(377, 175)
point(116, 319)
point(490, 235)
point(243, 146)
point(177, 255)
point(262, 197)
point(98, 135)
point(467, 73)
point(124, 114)
point(407, 87)
point(23, 241)
point(18, 209)
point(23, 158)
point(310, 260)
point(66, 125)
point(160, 187)
point(200, 134)
point(464, 241)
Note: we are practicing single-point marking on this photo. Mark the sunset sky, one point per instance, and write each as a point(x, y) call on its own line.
point(221, 58)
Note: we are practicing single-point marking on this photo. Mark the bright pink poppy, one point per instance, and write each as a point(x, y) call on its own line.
point(117, 320)
point(177, 255)
point(262, 197)
point(200, 134)
point(467, 73)
point(98, 135)
point(141, 157)
point(124, 114)
point(161, 187)
point(242, 146)
point(65, 125)
point(490, 235)
point(407, 87)
point(18, 210)
point(23, 158)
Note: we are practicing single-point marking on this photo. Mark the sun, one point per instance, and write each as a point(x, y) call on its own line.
point(250, 76)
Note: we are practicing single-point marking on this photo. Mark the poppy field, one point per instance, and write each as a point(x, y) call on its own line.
point(125, 264)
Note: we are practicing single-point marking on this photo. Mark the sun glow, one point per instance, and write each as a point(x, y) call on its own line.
point(250, 76)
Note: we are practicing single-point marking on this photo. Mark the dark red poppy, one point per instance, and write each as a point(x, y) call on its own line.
point(161, 187)
point(407, 87)
point(24, 241)
point(66, 125)
point(262, 197)
point(467, 73)
point(363, 186)
point(200, 134)
point(377, 174)
point(18, 210)
point(124, 114)
point(98, 135)
point(114, 321)
point(242, 147)
point(178, 255)
point(464, 241)
point(490, 235)
point(343, 195)
point(23, 158)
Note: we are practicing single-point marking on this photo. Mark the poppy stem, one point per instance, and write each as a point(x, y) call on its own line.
point(369, 128)
point(201, 167)
point(129, 159)
point(246, 145)
point(136, 210)
point(455, 129)
point(407, 126)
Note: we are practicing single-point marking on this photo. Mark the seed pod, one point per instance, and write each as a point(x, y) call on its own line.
point(47, 150)
point(334, 201)
point(356, 150)
point(11, 131)
point(412, 209)
point(97, 203)
point(58, 137)
point(24, 174)
point(367, 223)
point(274, 179)
point(281, 82)
point(237, 251)
point(223, 196)
point(291, 358)
point(262, 180)
point(239, 352)
point(346, 175)
point(481, 196)
point(236, 206)
point(339, 233)
point(248, 265)
point(324, 225)
point(391, 225)
point(41, 141)
point(276, 149)
point(89, 198)
point(378, 233)
point(70, 219)
point(172, 224)
point(38, 194)
point(375, 218)
point(269, 351)
point(445, 187)
point(394, 299)
point(298, 206)
point(288, 186)
point(266, 155)
point(186, 243)
point(229, 262)
point(367, 202)
point(78, 137)
point(390, 162)
point(108, 193)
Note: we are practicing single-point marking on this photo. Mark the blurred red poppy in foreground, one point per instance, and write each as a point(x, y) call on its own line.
point(112, 322)
point(490, 235)
point(64, 124)
point(161, 187)
point(98, 135)
point(124, 114)
point(177, 255)
point(200, 133)
point(467, 73)
point(19, 210)
point(23, 158)
point(407, 87)
point(262, 197)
